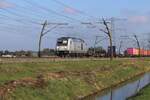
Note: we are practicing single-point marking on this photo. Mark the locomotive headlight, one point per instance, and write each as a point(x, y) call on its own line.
point(57, 47)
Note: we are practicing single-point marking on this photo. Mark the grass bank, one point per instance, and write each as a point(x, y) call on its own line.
point(144, 94)
point(68, 80)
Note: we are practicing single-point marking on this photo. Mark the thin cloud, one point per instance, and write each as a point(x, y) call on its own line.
point(4, 4)
point(127, 12)
point(139, 19)
point(135, 16)
point(70, 10)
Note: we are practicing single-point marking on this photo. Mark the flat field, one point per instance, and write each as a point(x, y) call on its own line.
point(64, 80)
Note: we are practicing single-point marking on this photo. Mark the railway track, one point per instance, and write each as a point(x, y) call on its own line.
point(42, 60)
point(50, 59)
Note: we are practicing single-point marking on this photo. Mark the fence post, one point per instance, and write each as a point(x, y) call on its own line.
point(111, 94)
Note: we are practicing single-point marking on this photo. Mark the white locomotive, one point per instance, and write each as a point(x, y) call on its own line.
point(70, 46)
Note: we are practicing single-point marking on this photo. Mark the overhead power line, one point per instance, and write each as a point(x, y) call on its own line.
point(43, 33)
point(22, 20)
point(112, 26)
point(20, 16)
point(78, 11)
point(50, 10)
point(27, 10)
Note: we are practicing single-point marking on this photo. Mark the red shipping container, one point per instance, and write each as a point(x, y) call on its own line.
point(132, 51)
point(135, 52)
point(129, 51)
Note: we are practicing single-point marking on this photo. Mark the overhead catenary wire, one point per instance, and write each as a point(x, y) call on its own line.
point(26, 9)
point(18, 26)
point(10, 30)
point(22, 21)
point(20, 16)
point(77, 10)
point(21, 26)
point(10, 18)
point(50, 10)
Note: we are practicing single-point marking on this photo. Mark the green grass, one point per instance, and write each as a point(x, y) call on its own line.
point(142, 95)
point(104, 73)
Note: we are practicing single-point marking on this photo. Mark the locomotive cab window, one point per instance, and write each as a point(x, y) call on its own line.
point(62, 42)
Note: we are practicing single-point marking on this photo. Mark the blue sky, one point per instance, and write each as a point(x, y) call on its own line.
point(18, 31)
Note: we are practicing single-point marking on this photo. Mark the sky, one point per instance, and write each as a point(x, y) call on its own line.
point(20, 21)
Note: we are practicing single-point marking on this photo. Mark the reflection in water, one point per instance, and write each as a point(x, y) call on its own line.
point(128, 90)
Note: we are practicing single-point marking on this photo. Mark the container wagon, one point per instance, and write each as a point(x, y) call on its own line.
point(135, 52)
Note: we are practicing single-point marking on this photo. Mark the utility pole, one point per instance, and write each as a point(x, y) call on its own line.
point(113, 28)
point(43, 33)
point(149, 44)
point(97, 40)
point(112, 22)
point(108, 32)
point(148, 40)
point(138, 44)
point(95, 45)
point(120, 47)
point(136, 40)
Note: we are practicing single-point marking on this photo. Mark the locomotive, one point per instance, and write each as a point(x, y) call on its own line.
point(71, 46)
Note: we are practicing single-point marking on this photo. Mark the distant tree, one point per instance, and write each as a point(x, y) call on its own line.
point(20, 53)
point(52, 52)
point(48, 52)
point(1, 53)
point(100, 50)
point(28, 53)
point(97, 51)
point(6, 52)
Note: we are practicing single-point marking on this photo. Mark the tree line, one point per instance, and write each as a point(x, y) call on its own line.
point(46, 52)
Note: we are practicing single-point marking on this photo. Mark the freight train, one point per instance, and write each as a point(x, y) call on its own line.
point(70, 46)
point(137, 52)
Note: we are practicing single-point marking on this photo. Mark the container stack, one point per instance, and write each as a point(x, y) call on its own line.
point(135, 52)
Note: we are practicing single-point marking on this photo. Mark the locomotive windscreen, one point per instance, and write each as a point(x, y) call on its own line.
point(62, 42)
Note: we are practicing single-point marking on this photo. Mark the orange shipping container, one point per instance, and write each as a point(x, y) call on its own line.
point(136, 52)
point(148, 52)
point(145, 52)
point(141, 52)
